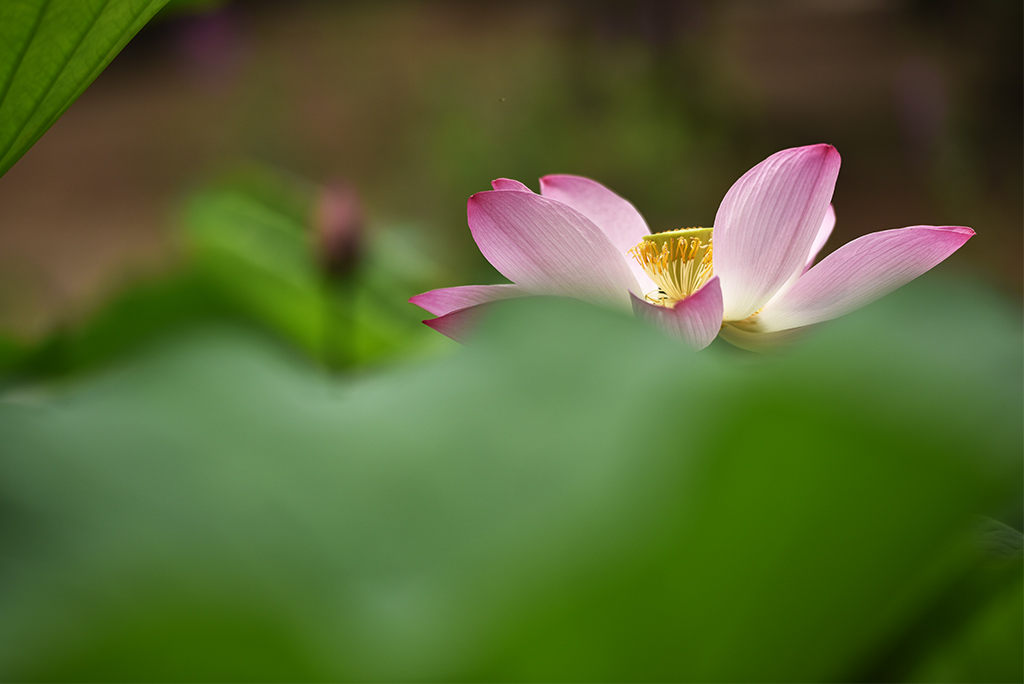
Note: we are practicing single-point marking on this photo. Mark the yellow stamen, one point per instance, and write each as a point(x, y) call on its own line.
point(678, 261)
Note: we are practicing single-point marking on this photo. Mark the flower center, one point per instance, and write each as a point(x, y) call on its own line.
point(678, 261)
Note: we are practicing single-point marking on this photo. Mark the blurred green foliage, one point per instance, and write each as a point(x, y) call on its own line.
point(252, 238)
point(50, 51)
point(571, 497)
point(251, 254)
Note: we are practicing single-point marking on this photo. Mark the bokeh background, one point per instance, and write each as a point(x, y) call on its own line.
point(419, 105)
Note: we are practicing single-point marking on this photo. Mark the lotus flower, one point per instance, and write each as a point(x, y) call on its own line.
point(751, 277)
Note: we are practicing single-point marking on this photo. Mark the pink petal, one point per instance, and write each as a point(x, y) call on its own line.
point(617, 218)
point(695, 320)
point(767, 223)
point(819, 241)
point(509, 184)
point(548, 247)
point(448, 299)
point(860, 272)
point(821, 238)
point(459, 324)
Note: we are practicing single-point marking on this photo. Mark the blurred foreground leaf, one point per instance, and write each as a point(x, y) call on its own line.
point(982, 641)
point(50, 51)
point(573, 497)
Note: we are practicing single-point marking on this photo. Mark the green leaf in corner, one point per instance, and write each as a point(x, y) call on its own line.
point(50, 51)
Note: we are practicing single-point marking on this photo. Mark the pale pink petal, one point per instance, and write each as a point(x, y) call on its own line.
point(548, 247)
point(767, 223)
point(860, 272)
point(759, 341)
point(824, 232)
point(509, 184)
point(616, 217)
point(448, 299)
point(819, 241)
point(695, 320)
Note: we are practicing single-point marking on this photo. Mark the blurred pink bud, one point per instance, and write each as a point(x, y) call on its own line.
point(339, 228)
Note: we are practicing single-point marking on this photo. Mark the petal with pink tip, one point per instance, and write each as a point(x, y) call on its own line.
point(767, 223)
point(615, 216)
point(448, 299)
point(547, 247)
point(860, 272)
point(695, 320)
point(509, 184)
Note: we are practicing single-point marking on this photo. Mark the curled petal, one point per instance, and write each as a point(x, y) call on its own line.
point(547, 247)
point(767, 223)
point(694, 320)
point(448, 299)
point(509, 184)
point(860, 272)
point(764, 342)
